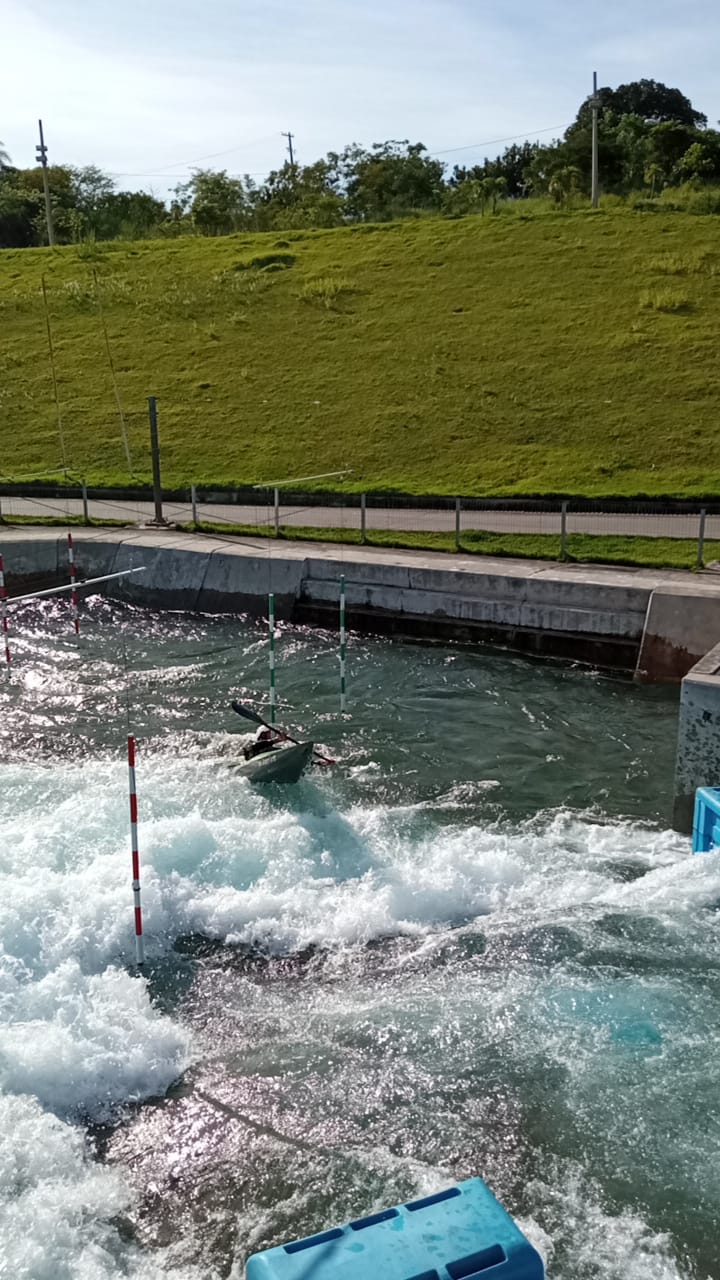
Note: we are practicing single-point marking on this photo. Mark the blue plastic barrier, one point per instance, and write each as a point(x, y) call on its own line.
point(706, 822)
point(459, 1234)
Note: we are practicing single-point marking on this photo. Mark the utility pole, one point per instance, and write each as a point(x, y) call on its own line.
point(290, 137)
point(155, 452)
point(595, 105)
point(41, 153)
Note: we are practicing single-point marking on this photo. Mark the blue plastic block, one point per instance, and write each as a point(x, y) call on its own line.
point(459, 1234)
point(706, 821)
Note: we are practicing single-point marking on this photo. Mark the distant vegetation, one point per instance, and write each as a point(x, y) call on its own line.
point(655, 152)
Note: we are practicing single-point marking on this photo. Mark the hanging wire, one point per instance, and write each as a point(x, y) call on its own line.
point(61, 433)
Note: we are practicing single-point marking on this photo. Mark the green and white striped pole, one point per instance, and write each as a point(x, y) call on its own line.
point(342, 644)
point(271, 636)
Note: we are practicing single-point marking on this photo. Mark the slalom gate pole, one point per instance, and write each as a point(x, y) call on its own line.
point(3, 616)
point(139, 943)
point(73, 586)
point(271, 636)
point(342, 644)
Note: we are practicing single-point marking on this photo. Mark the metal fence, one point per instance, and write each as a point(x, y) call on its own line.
point(552, 529)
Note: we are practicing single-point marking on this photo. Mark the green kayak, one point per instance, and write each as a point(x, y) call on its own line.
point(281, 764)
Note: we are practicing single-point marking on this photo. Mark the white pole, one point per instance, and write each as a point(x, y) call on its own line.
point(271, 635)
point(3, 616)
point(343, 699)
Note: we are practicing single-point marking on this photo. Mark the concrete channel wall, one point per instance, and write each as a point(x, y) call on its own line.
point(654, 626)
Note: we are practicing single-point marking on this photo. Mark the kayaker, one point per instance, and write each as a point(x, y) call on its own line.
point(265, 739)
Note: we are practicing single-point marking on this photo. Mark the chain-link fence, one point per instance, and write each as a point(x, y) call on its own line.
point(679, 534)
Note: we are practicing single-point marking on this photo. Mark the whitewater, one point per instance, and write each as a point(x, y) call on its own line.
point(474, 948)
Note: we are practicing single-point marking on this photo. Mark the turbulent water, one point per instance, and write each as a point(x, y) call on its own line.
point(472, 948)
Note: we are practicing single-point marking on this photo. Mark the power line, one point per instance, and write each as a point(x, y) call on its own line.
point(496, 142)
point(259, 173)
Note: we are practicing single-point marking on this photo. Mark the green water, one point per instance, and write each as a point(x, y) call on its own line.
point(473, 948)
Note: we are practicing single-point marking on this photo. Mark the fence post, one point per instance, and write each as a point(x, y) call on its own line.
point(563, 531)
point(86, 513)
point(363, 519)
point(701, 540)
point(458, 510)
point(276, 498)
point(193, 500)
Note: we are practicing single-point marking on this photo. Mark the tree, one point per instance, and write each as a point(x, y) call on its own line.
point(649, 99)
point(564, 184)
point(513, 165)
point(301, 196)
point(215, 203)
point(4, 157)
point(701, 161)
point(391, 180)
point(668, 143)
point(653, 175)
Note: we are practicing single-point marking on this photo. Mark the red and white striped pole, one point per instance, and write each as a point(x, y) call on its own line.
point(3, 616)
point(73, 584)
point(139, 944)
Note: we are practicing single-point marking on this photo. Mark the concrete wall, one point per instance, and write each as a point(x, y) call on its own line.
point(683, 623)
point(652, 624)
point(698, 752)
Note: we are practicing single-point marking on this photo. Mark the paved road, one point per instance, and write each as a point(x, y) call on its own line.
point(390, 518)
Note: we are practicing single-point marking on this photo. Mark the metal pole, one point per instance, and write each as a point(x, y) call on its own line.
point(701, 540)
point(342, 644)
point(271, 637)
point(193, 499)
point(155, 450)
point(3, 617)
point(86, 514)
point(74, 612)
point(41, 153)
point(458, 509)
point(563, 532)
point(595, 104)
point(363, 518)
point(276, 499)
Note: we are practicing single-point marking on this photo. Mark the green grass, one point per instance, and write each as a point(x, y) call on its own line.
point(530, 353)
point(61, 522)
point(655, 553)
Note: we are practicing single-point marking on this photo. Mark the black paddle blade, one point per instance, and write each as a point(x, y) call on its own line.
point(247, 713)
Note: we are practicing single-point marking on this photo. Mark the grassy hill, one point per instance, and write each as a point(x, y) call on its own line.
point(511, 355)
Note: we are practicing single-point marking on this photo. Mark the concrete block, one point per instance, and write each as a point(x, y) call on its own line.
point(698, 752)
point(682, 624)
point(172, 578)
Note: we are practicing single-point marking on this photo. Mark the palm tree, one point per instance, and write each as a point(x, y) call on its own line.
point(653, 174)
point(4, 157)
point(564, 184)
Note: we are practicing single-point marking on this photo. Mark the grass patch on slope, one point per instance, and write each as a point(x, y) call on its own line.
point(522, 354)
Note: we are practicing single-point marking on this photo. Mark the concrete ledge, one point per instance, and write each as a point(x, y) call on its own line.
point(698, 753)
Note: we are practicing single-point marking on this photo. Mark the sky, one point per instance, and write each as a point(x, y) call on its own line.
point(150, 89)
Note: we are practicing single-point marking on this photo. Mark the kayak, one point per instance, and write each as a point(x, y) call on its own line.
point(281, 764)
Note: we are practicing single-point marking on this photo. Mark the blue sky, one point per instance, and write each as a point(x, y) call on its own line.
point(148, 89)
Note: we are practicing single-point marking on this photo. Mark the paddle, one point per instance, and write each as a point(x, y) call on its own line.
point(249, 714)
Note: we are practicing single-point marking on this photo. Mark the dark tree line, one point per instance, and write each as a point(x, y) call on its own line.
point(650, 138)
